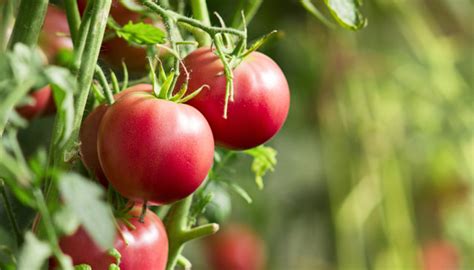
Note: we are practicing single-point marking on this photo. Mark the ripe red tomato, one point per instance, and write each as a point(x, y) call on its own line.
point(261, 98)
point(43, 104)
point(440, 255)
point(236, 247)
point(54, 36)
point(147, 247)
point(153, 149)
point(90, 130)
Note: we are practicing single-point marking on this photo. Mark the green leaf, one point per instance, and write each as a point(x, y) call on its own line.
point(347, 13)
point(33, 254)
point(308, 5)
point(141, 34)
point(65, 220)
point(264, 159)
point(238, 190)
point(62, 84)
point(257, 44)
point(86, 199)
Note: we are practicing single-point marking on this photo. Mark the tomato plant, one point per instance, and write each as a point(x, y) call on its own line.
point(147, 139)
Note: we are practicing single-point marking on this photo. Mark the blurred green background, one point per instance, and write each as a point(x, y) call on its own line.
point(376, 160)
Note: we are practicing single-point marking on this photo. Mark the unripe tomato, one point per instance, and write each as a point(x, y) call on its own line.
point(261, 98)
point(42, 104)
point(146, 247)
point(54, 36)
point(90, 130)
point(153, 149)
point(236, 247)
point(220, 207)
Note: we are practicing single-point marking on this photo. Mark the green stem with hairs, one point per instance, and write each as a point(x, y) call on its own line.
point(178, 230)
point(6, 11)
point(91, 34)
point(249, 8)
point(10, 214)
point(29, 22)
point(73, 17)
point(201, 13)
point(211, 30)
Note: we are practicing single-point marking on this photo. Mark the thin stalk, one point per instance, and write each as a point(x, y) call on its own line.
point(211, 30)
point(99, 15)
point(99, 74)
point(249, 8)
point(10, 214)
point(179, 233)
point(29, 22)
point(201, 13)
point(6, 13)
point(49, 228)
point(91, 35)
point(14, 98)
point(73, 17)
point(308, 5)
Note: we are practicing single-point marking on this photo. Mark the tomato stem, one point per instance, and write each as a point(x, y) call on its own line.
point(211, 30)
point(29, 22)
point(178, 230)
point(49, 228)
point(6, 14)
point(201, 13)
point(73, 17)
point(91, 33)
point(249, 8)
point(10, 214)
point(143, 213)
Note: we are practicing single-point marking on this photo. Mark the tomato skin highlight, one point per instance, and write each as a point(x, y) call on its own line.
point(236, 247)
point(153, 149)
point(90, 130)
point(261, 98)
point(147, 247)
point(43, 104)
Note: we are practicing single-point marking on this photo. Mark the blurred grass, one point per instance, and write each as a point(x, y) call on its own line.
point(376, 158)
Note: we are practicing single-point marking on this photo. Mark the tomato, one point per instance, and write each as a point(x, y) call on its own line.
point(54, 36)
point(220, 207)
point(236, 247)
point(261, 98)
point(147, 247)
point(117, 49)
point(153, 149)
point(90, 129)
point(42, 104)
point(440, 255)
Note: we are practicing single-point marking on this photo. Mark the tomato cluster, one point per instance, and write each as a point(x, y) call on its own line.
point(160, 151)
